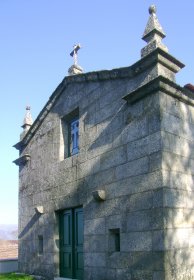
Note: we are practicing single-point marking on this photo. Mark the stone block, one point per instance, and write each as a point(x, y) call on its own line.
point(95, 259)
point(132, 168)
point(177, 238)
point(100, 145)
point(65, 163)
point(108, 111)
point(158, 240)
point(89, 167)
point(95, 243)
point(134, 111)
point(88, 137)
point(141, 275)
point(178, 108)
point(95, 226)
point(110, 93)
point(158, 200)
point(144, 146)
point(176, 198)
point(139, 185)
point(178, 180)
point(93, 209)
point(100, 179)
point(177, 218)
point(117, 274)
point(139, 221)
point(113, 158)
point(177, 145)
point(147, 261)
point(176, 259)
point(117, 137)
point(135, 130)
point(115, 206)
point(179, 127)
point(94, 273)
point(120, 260)
point(171, 161)
point(113, 221)
point(141, 201)
point(155, 161)
point(154, 121)
point(157, 218)
point(158, 275)
point(111, 124)
point(136, 241)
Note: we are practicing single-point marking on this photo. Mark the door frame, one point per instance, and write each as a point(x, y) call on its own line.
point(73, 228)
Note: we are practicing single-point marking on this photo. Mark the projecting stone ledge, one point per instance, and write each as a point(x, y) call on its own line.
point(22, 160)
point(163, 85)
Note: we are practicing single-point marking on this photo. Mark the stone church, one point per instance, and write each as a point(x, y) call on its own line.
point(106, 173)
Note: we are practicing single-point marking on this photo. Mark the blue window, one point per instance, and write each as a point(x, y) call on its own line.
point(74, 136)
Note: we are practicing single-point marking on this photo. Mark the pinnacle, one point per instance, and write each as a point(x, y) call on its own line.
point(153, 33)
point(28, 118)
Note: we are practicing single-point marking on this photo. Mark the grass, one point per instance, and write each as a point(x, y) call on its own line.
point(13, 276)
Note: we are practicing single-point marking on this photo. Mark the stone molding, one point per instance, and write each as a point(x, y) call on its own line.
point(161, 84)
point(22, 160)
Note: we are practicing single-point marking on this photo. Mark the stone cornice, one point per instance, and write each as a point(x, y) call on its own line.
point(163, 85)
point(22, 160)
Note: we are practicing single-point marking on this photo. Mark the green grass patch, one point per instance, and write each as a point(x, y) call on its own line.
point(13, 276)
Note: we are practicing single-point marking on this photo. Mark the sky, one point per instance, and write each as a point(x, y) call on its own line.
point(36, 38)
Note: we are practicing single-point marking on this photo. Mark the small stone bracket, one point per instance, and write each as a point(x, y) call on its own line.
point(22, 160)
point(99, 195)
point(39, 209)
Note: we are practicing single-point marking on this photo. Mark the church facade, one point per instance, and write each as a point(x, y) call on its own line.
point(106, 174)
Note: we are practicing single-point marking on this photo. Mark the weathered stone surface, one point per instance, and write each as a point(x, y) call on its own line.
point(136, 140)
point(132, 168)
point(94, 243)
point(136, 241)
point(95, 260)
point(144, 146)
point(95, 226)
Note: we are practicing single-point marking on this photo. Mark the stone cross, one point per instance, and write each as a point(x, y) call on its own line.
point(74, 53)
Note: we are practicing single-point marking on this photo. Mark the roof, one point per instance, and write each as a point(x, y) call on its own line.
point(190, 87)
point(8, 249)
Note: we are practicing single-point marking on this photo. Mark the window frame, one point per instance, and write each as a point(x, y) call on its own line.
point(71, 149)
point(66, 122)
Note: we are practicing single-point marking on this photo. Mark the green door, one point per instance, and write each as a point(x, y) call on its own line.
point(71, 243)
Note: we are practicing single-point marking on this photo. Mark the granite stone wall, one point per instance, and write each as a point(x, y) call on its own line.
point(118, 142)
point(140, 154)
point(136, 139)
point(177, 125)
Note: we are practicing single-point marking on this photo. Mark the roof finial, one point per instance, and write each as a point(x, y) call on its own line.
point(75, 68)
point(28, 118)
point(153, 33)
point(27, 122)
point(152, 9)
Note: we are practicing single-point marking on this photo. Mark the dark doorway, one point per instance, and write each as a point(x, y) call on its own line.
point(71, 243)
